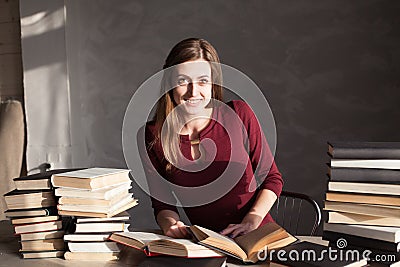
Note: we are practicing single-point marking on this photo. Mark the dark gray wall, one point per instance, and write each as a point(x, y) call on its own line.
point(329, 69)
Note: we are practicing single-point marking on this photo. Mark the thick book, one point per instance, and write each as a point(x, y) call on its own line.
point(370, 175)
point(389, 234)
point(106, 246)
point(19, 213)
point(123, 216)
point(34, 219)
point(42, 235)
point(43, 245)
point(92, 208)
point(107, 214)
point(363, 198)
point(311, 255)
point(38, 227)
point(369, 188)
point(93, 178)
point(29, 199)
point(364, 150)
point(95, 202)
point(96, 237)
point(154, 244)
point(361, 219)
point(105, 193)
point(92, 256)
point(42, 254)
point(366, 163)
point(99, 227)
point(185, 262)
point(38, 180)
point(248, 246)
point(366, 209)
point(366, 242)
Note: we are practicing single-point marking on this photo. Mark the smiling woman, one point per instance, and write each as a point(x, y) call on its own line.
point(195, 139)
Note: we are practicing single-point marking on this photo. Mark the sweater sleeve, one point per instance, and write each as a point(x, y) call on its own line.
point(154, 170)
point(265, 170)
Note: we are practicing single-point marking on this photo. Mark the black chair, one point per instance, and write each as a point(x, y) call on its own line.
point(290, 213)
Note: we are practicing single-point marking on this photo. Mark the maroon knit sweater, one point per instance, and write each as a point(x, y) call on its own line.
point(247, 157)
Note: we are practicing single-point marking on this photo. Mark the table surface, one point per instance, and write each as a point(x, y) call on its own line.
point(9, 255)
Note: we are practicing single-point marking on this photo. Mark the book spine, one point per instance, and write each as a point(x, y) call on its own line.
point(365, 175)
point(365, 153)
point(364, 242)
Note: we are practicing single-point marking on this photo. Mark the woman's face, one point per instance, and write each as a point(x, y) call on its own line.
point(193, 87)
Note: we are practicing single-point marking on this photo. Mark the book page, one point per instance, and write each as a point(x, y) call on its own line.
point(91, 173)
point(144, 237)
point(258, 238)
point(211, 238)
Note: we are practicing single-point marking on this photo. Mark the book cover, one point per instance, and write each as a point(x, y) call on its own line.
point(35, 212)
point(368, 188)
point(108, 214)
point(105, 193)
point(38, 180)
point(92, 178)
point(248, 246)
point(38, 227)
point(106, 246)
point(92, 256)
point(389, 234)
point(154, 244)
point(366, 209)
point(364, 150)
point(366, 163)
point(366, 242)
point(370, 175)
point(363, 198)
point(42, 254)
point(362, 219)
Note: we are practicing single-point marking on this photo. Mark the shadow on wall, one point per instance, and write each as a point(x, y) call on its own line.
point(12, 132)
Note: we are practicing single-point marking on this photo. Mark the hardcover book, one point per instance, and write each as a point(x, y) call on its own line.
point(364, 150)
point(43, 245)
point(37, 181)
point(385, 176)
point(369, 188)
point(154, 244)
point(246, 247)
point(366, 209)
point(366, 163)
point(29, 199)
point(363, 198)
point(93, 178)
point(389, 234)
point(105, 193)
point(92, 256)
point(365, 242)
point(361, 219)
point(42, 254)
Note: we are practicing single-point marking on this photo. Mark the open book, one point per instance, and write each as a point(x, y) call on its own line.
point(246, 247)
point(154, 244)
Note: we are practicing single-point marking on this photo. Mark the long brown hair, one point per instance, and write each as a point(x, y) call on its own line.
point(186, 50)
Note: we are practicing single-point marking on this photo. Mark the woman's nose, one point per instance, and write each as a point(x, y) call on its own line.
point(193, 88)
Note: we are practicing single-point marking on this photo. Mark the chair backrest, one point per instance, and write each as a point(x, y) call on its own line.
point(299, 214)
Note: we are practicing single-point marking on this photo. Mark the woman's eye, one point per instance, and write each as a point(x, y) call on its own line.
point(204, 81)
point(182, 82)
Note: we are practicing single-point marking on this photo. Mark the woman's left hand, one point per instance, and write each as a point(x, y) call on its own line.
point(249, 223)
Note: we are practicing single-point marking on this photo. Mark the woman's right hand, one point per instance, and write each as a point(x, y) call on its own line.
point(177, 230)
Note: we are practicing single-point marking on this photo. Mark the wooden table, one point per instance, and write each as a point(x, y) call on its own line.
point(9, 256)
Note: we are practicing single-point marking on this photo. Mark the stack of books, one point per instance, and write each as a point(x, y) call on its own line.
point(97, 200)
point(33, 213)
point(363, 198)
